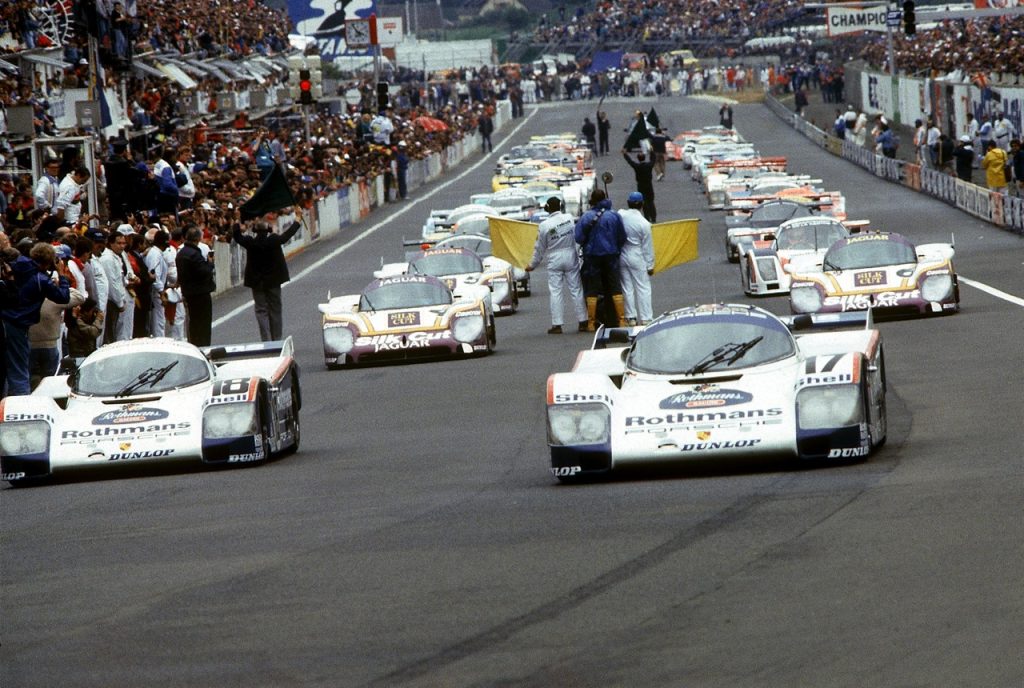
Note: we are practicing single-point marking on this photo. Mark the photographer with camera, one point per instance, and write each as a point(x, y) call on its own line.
point(35, 278)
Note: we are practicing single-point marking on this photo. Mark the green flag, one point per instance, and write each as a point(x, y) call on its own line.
point(273, 195)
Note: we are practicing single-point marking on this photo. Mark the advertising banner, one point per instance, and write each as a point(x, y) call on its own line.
point(324, 21)
point(840, 20)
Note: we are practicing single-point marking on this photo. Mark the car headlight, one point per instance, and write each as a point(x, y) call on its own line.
point(468, 328)
point(339, 339)
point(570, 424)
point(936, 287)
point(829, 406)
point(766, 268)
point(229, 420)
point(21, 438)
point(805, 298)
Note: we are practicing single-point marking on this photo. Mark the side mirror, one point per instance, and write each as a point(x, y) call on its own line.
point(618, 335)
point(216, 353)
point(802, 322)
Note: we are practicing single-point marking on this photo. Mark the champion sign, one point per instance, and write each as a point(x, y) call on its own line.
point(840, 20)
point(703, 397)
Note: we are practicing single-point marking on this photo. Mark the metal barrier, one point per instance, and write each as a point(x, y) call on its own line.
point(999, 209)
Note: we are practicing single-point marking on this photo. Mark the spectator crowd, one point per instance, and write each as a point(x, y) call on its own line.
point(104, 269)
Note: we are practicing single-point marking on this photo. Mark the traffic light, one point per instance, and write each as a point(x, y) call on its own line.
point(909, 21)
point(305, 87)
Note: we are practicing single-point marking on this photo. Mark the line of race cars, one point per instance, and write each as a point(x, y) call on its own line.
point(792, 236)
point(703, 382)
point(726, 380)
point(441, 300)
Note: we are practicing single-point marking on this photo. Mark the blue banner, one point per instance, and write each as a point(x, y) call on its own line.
point(324, 20)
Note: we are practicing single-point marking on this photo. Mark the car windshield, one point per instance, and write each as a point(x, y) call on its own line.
point(405, 295)
point(141, 372)
point(511, 202)
point(809, 237)
point(694, 343)
point(476, 244)
point(475, 224)
point(777, 213)
point(440, 264)
point(869, 251)
point(522, 171)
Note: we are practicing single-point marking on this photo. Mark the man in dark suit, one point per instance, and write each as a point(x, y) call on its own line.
point(195, 277)
point(265, 272)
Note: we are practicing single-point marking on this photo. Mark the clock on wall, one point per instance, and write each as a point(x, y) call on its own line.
point(357, 33)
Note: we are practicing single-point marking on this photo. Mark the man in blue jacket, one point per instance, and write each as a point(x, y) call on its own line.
point(36, 278)
point(600, 234)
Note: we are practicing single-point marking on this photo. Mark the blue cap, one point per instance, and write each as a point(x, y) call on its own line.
point(635, 197)
point(63, 251)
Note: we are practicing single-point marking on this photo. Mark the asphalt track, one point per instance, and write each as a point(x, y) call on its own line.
point(417, 538)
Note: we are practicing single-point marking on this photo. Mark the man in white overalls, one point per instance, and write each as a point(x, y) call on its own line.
point(556, 241)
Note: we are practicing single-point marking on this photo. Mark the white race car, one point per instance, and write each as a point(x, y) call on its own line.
point(459, 267)
point(480, 244)
point(765, 265)
point(881, 271)
point(150, 401)
point(407, 318)
point(719, 381)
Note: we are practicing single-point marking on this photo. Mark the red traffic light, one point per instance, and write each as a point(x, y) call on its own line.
point(305, 87)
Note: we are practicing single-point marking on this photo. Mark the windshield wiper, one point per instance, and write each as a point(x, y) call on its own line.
point(149, 376)
point(829, 265)
point(727, 353)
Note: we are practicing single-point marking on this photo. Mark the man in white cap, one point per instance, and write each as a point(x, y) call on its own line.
point(963, 155)
point(121, 279)
point(636, 262)
point(556, 241)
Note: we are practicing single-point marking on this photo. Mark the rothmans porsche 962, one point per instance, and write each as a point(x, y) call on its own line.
point(407, 318)
point(716, 382)
point(155, 401)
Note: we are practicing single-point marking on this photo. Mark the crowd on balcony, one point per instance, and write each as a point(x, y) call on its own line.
point(977, 46)
point(219, 150)
point(675, 20)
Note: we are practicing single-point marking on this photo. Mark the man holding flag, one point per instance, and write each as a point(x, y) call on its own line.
point(265, 267)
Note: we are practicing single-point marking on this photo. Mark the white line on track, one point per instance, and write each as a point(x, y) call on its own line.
point(383, 223)
point(1016, 300)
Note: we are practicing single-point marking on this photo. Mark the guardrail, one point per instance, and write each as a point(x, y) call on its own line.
point(1006, 212)
point(348, 206)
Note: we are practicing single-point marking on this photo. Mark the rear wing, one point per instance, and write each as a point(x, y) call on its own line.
point(240, 352)
point(817, 322)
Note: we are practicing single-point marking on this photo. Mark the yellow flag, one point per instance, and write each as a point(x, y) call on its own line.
point(674, 243)
point(513, 240)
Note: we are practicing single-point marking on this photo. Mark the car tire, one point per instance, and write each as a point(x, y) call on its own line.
point(492, 335)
